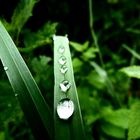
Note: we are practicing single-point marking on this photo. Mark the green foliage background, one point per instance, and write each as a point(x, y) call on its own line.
point(102, 42)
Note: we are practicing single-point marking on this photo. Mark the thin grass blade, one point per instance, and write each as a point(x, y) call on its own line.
point(133, 52)
point(32, 102)
point(71, 129)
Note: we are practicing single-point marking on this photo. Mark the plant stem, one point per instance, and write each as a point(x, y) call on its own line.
point(95, 40)
point(94, 37)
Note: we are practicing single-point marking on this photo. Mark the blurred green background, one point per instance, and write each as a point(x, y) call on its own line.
point(102, 42)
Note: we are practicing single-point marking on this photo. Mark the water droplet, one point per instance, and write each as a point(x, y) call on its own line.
point(9, 105)
point(64, 69)
point(65, 108)
point(62, 60)
point(54, 37)
point(65, 85)
point(5, 68)
point(61, 49)
point(16, 95)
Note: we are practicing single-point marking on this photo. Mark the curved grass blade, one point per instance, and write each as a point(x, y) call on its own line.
point(103, 74)
point(32, 102)
point(71, 129)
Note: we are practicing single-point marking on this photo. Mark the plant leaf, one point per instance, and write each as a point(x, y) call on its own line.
point(113, 130)
point(31, 100)
point(134, 122)
point(118, 117)
point(22, 14)
point(79, 47)
point(2, 136)
point(132, 71)
point(72, 128)
point(109, 85)
point(40, 38)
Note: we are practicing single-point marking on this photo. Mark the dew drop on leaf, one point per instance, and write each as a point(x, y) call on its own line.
point(61, 49)
point(5, 68)
point(65, 108)
point(64, 69)
point(65, 85)
point(16, 95)
point(62, 60)
point(9, 105)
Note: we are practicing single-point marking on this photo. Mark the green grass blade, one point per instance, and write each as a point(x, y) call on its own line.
point(71, 129)
point(132, 51)
point(32, 102)
point(103, 74)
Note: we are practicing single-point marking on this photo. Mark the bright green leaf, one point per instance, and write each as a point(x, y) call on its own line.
point(77, 63)
point(132, 71)
point(134, 122)
point(90, 53)
point(118, 117)
point(79, 47)
point(113, 131)
point(96, 80)
point(2, 136)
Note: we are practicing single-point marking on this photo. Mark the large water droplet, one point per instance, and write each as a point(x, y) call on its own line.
point(65, 108)
point(61, 49)
point(62, 60)
point(64, 69)
point(65, 85)
point(5, 68)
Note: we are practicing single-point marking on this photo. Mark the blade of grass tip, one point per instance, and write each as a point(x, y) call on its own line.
point(71, 128)
point(32, 102)
point(133, 52)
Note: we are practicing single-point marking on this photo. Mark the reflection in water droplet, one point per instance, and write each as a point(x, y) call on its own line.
point(64, 69)
point(61, 49)
point(5, 68)
point(65, 85)
point(62, 60)
point(65, 108)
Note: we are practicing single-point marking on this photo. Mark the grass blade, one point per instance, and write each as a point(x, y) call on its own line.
point(103, 74)
point(32, 102)
point(73, 127)
point(132, 51)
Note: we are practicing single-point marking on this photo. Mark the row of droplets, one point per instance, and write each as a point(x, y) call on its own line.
point(6, 69)
point(65, 107)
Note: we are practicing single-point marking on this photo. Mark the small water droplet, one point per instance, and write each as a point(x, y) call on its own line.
point(65, 108)
point(9, 105)
point(16, 95)
point(61, 49)
point(64, 69)
point(54, 37)
point(65, 85)
point(62, 60)
point(5, 68)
